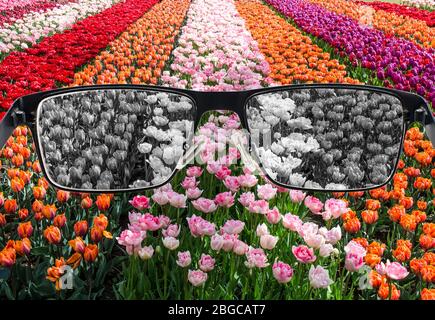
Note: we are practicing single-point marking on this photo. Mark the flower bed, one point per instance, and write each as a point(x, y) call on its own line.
point(423, 4)
point(215, 52)
point(292, 56)
point(140, 53)
point(419, 14)
point(11, 10)
point(57, 57)
point(401, 63)
point(34, 26)
point(387, 21)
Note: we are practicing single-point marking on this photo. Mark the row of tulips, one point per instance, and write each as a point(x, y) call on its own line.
point(386, 21)
point(57, 57)
point(140, 53)
point(33, 26)
point(415, 13)
point(398, 62)
point(422, 4)
point(215, 52)
point(12, 10)
point(292, 56)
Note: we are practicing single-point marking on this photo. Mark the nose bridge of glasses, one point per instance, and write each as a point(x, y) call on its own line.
point(212, 101)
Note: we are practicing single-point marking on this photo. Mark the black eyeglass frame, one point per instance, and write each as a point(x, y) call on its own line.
point(24, 112)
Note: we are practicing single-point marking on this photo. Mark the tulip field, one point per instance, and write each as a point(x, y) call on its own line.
point(218, 230)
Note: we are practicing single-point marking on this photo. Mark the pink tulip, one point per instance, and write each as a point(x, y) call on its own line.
point(282, 272)
point(146, 253)
point(131, 238)
point(247, 181)
point(246, 198)
point(319, 277)
point(333, 235)
point(262, 230)
point(184, 259)
point(223, 172)
point(177, 200)
point(171, 243)
point(148, 222)
point(164, 221)
point(194, 171)
point(197, 277)
point(189, 183)
point(259, 206)
point(297, 196)
point(232, 183)
point(200, 227)
point(395, 271)
point(314, 240)
point(273, 216)
point(172, 230)
point(292, 222)
point(314, 204)
point(268, 241)
point(233, 226)
point(255, 257)
point(204, 205)
point(206, 263)
point(160, 198)
point(224, 199)
point(240, 248)
point(266, 192)
point(217, 242)
point(304, 254)
point(140, 202)
point(193, 193)
point(336, 207)
point(228, 241)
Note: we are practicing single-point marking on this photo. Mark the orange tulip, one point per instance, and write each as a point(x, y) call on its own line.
point(74, 260)
point(7, 257)
point(62, 196)
point(103, 202)
point(396, 212)
point(91, 253)
point(17, 160)
point(37, 206)
point(39, 192)
point(96, 234)
point(17, 184)
point(11, 205)
point(369, 216)
point(417, 264)
point(372, 204)
point(59, 220)
point(49, 211)
point(428, 273)
point(2, 220)
point(427, 294)
point(408, 222)
point(86, 203)
point(384, 291)
point(352, 225)
point(426, 242)
point(25, 230)
point(101, 221)
point(52, 234)
point(55, 272)
point(429, 229)
point(81, 228)
point(23, 213)
point(23, 247)
point(77, 244)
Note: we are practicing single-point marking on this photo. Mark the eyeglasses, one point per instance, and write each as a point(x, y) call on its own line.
point(317, 137)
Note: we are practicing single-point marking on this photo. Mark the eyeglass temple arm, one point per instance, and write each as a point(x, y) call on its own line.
point(13, 118)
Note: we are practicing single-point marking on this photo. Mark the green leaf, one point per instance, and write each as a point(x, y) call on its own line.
point(4, 274)
point(40, 251)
